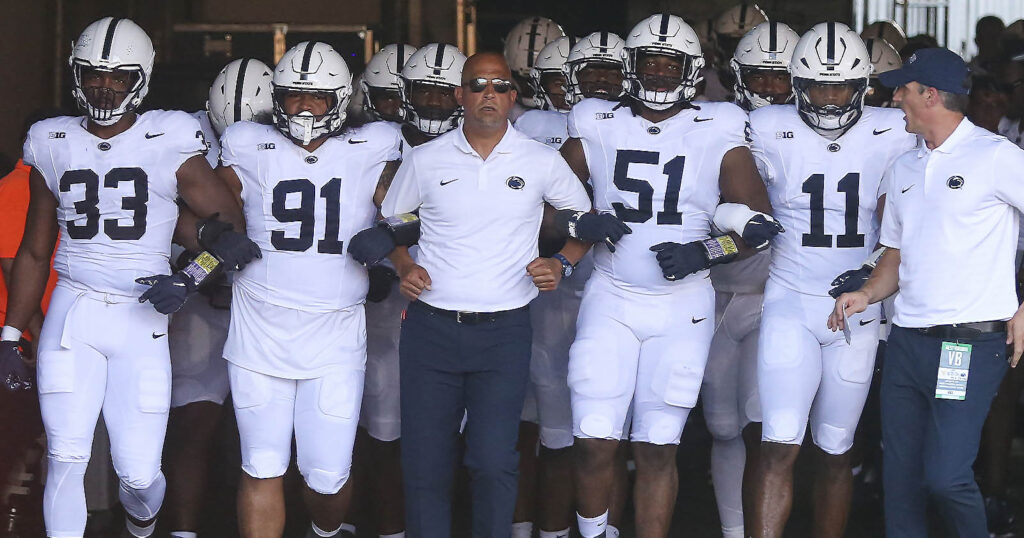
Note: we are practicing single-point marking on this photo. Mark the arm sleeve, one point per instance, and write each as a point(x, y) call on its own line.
point(892, 226)
point(404, 194)
point(565, 190)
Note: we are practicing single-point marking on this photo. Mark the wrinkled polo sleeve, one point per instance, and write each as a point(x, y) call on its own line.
point(404, 194)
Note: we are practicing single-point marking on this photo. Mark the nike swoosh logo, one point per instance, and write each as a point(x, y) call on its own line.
point(698, 120)
point(356, 141)
point(863, 322)
point(443, 183)
point(155, 335)
point(878, 132)
point(152, 135)
point(696, 321)
point(908, 188)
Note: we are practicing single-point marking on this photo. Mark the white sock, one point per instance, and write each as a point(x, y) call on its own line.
point(612, 531)
point(591, 527)
point(140, 532)
point(732, 532)
point(522, 529)
point(327, 534)
point(183, 534)
point(395, 535)
point(564, 533)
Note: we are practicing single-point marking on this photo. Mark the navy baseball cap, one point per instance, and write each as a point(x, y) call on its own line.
point(938, 68)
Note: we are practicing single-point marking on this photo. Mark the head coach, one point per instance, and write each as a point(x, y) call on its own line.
point(950, 229)
point(465, 344)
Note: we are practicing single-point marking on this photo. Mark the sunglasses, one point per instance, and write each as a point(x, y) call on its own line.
point(478, 85)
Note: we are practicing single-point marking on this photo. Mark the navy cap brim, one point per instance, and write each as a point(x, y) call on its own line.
point(895, 78)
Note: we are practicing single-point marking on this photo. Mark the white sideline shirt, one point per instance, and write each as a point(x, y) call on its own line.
point(480, 218)
point(953, 212)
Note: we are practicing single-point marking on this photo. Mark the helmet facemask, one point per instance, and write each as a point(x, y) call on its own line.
point(542, 82)
point(430, 118)
point(304, 126)
point(830, 120)
point(370, 102)
point(676, 89)
point(580, 83)
point(746, 85)
point(105, 105)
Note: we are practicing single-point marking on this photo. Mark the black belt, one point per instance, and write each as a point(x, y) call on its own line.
point(469, 318)
point(957, 331)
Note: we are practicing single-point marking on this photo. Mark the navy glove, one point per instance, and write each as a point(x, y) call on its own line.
point(759, 231)
point(598, 228)
point(168, 293)
point(232, 248)
point(678, 260)
point(14, 373)
point(851, 280)
point(381, 279)
point(371, 245)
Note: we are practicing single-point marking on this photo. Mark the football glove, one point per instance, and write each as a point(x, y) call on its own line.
point(592, 227)
point(854, 279)
point(680, 260)
point(371, 245)
point(760, 230)
point(232, 248)
point(381, 279)
point(168, 293)
point(14, 373)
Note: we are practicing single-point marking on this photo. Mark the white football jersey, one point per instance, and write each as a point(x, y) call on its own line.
point(545, 126)
point(661, 179)
point(825, 193)
point(301, 208)
point(212, 140)
point(116, 197)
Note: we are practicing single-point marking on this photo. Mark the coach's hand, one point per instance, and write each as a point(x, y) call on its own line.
point(414, 280)
point(678, 260)
point(546, 273)
point(855, 302)
point(1015, 336)
point(14, 373)
point(760, 230)
point(371, 245)
point(600, 228)
point(167, 292)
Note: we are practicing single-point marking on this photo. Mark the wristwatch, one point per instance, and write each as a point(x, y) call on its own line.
point(567, 266)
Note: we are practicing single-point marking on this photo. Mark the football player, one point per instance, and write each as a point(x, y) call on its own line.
point(594, 68)
point(659, 166)
point(888, 31)
point(100, 349)
point(427, 85)
point(883, 58)
point(822, 159)
point(727, 30)
point(522, 45)
point(296, 344)
point(380, 85)
point(199, 374)
point(760, 66)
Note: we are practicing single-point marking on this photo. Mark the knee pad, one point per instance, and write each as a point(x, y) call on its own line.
point(833, 440)
point(555, 438)
point(597, 420)
point(325, 482)
point(782, 427)
point(722, 426)
point(143, 501)
point(261, 463)
point(660, 428)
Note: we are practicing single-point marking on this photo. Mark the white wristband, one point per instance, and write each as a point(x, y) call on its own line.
point(731, 217)
point(872, 260)
point(10, 334)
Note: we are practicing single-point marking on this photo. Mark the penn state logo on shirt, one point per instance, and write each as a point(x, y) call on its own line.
point(833, 147)
point(311, 159)
point(654, 129)
point(515, 183)
point(955, 182)
point(103, 146)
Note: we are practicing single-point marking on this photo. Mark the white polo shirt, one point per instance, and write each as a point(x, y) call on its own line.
point(480, 218)
point(953, 213)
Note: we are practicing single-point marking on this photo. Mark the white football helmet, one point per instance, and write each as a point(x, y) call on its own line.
point(830, 53)
point(596, 48)
point(666, 35)
point(241, 92)
point(314, 67)
point(112, 44)
point(887, 30)
point(525, 40)
point(883, 56)
point(383, 72)
point(435, 64)
point(550, 60)
point(734, 23)
point(768, 47)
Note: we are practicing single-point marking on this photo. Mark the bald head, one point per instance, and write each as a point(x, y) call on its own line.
point(487, 65)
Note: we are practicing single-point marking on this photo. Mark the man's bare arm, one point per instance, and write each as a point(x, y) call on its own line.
point(572, 152)
point(206, 192)
point(31, 267)
point(384, 182)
